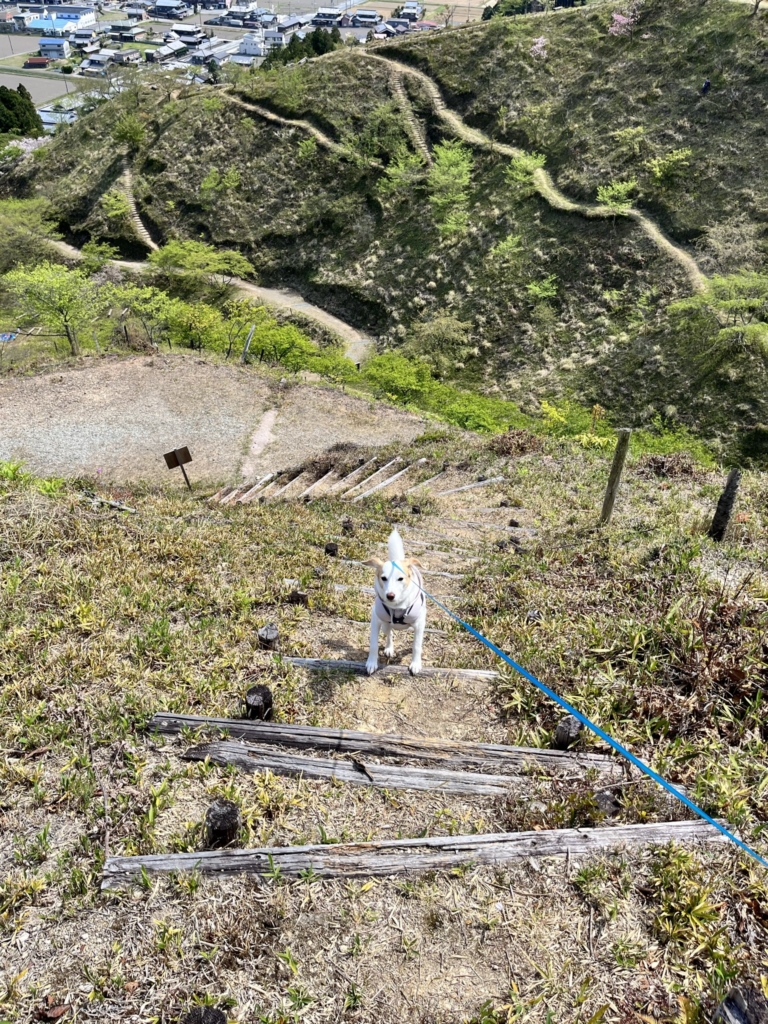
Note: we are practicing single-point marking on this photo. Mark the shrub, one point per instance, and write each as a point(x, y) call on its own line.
point(449, 179)
point(666, 169)
point(129, 130)
point(616, 195)
point(521, 168)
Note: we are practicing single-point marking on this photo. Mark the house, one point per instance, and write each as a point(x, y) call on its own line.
point(366, 18)
point(425, 26)
point(56, 49)
point(126, 32)
point(170, 9)
point(97, 64)
point(273, 40)
point(127, 57)
point(327, 17)
point(191, 35)
point(252, 45)
point(169, 51)
point(135, 14)
point(37, 62)
point(6, 16)
point(56, 114)
point(84, 37)
point(401, 24)
point(412, 11)
point(214, 5)
point(290, 25)
point(218, 50)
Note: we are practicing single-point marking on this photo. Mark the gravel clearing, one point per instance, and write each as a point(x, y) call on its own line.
point(112, 419)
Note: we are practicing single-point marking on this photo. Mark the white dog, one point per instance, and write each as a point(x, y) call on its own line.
point(399, 604)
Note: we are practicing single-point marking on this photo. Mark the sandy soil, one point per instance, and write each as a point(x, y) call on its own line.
point(114, 419)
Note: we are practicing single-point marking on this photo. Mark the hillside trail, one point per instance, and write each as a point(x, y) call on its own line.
point(542, 180)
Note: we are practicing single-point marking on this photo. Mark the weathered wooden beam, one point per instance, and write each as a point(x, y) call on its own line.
point(341, 588)
point(308, 490)
point(385, 483)
point(384, 776)
point(251, 493)
point(346, 480)
point(367, 480)
point(725, 505)
point(358, 667)
point(284, 488)
point(450, 753)
point(424, 572)
point(392, 857)
point(426, 483)
point(470, 487)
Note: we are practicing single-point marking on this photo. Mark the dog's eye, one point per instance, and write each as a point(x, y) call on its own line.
point(383, 579)
point(400, 579)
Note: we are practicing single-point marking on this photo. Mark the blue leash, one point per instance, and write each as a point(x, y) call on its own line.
point(596, 729)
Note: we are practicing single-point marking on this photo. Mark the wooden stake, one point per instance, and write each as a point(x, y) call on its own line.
point(619, 456)
point(725, 505)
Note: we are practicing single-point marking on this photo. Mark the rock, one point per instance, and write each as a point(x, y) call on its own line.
point(331, 548)
point(534, 615)
point(514, 523)
point(567, 732)
point(298, 597)
point(416, 510)
point(347, 528)
point(504, 503)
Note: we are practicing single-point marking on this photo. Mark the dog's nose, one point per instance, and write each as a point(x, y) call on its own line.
point(390, 596)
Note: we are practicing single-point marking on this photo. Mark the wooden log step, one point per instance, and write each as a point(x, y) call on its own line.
point(428, 482)
point(368, 479)
point(450, 753)
point(385, 483)
point(470, 487)
point(345, 481)
point(392, 857)
point(384, 776)
point(251, 493)
point(358, 667)
point(424, 572)
point(318, 483)
point(341, 588)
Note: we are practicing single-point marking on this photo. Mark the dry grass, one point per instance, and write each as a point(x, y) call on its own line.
point(107, 617)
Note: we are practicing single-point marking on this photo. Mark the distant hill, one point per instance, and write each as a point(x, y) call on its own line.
point(375, 210)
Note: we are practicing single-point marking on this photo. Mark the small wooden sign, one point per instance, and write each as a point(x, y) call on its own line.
point(178, 458)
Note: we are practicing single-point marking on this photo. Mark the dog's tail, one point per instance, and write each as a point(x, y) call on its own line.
point(395, 548)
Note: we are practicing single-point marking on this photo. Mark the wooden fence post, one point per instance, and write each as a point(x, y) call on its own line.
point(619, 455)
point(725, 505)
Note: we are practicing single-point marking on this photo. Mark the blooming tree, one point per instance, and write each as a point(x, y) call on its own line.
point(539, 48)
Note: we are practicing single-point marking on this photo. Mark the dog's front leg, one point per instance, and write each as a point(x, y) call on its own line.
point(373, 651)
point(418, 640)
point(389, 636)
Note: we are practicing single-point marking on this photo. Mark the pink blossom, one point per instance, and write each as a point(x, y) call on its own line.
point(539, 48)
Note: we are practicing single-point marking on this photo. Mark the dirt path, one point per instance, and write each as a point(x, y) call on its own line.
point(542, 179)
point(112, 419)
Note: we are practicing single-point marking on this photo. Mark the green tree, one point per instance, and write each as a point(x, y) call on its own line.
point(404, 171)
point(152, 308)
point(65, 301)
point(214, 72)
point(195, 324)
point(449, 178)
point(18, 115)
point(441, 343)
point(616, 194)
point(731, 316)
point(200, 260)
point(26, 227)
point(96, 255)
point(665, 170)
point(115, 205)
point(129, 130)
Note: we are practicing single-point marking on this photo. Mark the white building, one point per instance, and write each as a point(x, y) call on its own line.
point(253, 45)
point(56, 49)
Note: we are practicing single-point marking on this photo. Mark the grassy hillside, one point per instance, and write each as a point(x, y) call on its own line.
point(108, 616)
point(541, 303)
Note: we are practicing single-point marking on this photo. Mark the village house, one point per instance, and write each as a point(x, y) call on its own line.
point(127, 32)
point(56, 49)
point(366, 18)
point(170, 9)
point(171, 50)
point(97, 64)
point(327, 17)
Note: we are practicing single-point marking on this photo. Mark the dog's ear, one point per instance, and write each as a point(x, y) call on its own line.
point(375, 563)
point(414, 561)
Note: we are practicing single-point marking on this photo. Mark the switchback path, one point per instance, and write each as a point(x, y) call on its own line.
point(542, 179)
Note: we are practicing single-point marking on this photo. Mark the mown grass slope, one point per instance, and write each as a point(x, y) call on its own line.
point(109, 616)
point(549, 303)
